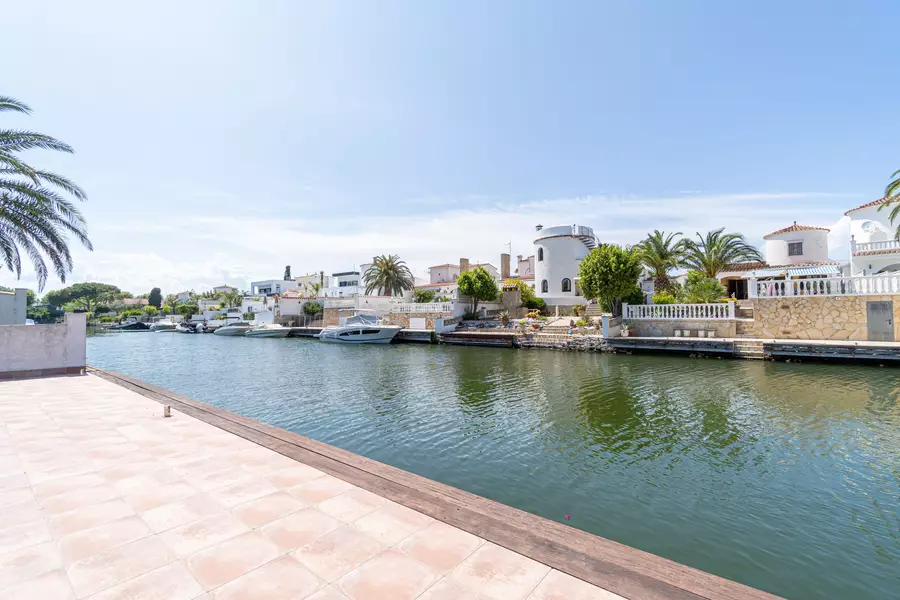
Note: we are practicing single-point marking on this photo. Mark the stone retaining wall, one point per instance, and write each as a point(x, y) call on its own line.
point(816, 317)
point(661, 328)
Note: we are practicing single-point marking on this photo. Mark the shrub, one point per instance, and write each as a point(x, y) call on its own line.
point(610, 274)
point(529, 300)
point(312, 308)
point(423, 296)
point(471, 316)
point(534, 315)
point(581, 322)
point(664, 297)
point(701, 289)
point(504, 316)
point(579, 309)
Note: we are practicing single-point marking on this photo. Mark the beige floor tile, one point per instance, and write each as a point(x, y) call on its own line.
point(391, 575)
point(282, 579)
point(61, 486)
point(230, 559)
point(243, 492)
point(262, 511)
point(440, 546)
point(18, 514)
point(146, 481)
point(17, 496)
point(180, 513)
point(446, 590)
point(115, 566)
point(22, 536)
point(78, 498)
point(329, 592)
point(293, 476)
point(320, 489)
point(88, 517)
point(29, 562)
point(337, 553)
point(392, 523)
point(498, 573)
point(132, 468)
point(171, 582)
point(49, 586)
point(351, 505)
point(203, 533)
point(159, 496)
point(299, 528)
point(560, 586)
point(84, 544)
point(13, 482)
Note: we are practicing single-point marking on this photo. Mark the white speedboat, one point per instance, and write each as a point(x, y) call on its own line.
point(185, 328)
point(362, 327)
point(163, 325)
point(233, 329)
point(271, 330)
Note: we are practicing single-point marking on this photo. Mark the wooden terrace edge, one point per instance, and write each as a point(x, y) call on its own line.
point(629, 572)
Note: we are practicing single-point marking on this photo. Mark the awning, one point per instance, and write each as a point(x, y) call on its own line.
point(796, 271)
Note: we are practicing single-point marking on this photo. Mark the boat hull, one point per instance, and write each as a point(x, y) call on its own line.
point(269, 333)
point(231, 331)
point(360, 334)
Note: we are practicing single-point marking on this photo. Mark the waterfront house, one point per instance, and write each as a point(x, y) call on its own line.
point(793, 252)
point(224, 289)
point(873, 247)
point(525, 266)
point(559, 251)
point(270, 287)
point(183, 297)
point(134, 302)
point(446, 273)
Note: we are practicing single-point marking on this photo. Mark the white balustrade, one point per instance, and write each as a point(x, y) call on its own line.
point(422, 307)
point(867, 285)
point(719, 311)
point(870, 246)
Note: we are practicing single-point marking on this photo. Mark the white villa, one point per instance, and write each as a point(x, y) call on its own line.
point(270, 287)
point(224, 289)
point(559, 251)
point(873, 247)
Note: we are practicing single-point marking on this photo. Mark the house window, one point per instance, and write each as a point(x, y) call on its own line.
point(795, 248)
point(544, 287)
point(566, 285)
point(540, 254)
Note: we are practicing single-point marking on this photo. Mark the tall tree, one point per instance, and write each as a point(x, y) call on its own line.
point(389, 275)
point(478, 285)
point(662, 252)
point(35, 215)
point(155, 298)
point(716, 250)
point(610, 273)
point(83, 296)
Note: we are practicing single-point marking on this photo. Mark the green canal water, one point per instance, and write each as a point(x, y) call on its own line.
point(785, 477)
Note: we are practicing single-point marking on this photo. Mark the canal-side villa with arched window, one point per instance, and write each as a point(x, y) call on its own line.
point(559, 252)
point(873, 247)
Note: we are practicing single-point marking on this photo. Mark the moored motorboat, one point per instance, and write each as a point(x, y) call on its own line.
point(271, 330)
point(362, 327)
point(163, 325)
point(131, 324)
point(233, 329)
point(186, 328)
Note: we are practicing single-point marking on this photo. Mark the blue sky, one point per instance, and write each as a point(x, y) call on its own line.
point(219, 141)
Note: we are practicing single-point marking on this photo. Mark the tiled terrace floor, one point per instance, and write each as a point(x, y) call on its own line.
point(103, 498)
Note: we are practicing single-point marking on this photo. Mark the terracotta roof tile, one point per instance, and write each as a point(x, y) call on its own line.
point(795, 227)
point(872, 203)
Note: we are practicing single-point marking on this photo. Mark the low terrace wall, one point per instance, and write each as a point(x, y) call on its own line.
point(27, 350)
point(723, 329)
point(816, 317)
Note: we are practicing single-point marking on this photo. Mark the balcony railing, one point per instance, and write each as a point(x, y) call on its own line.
point(422, 307)
point(720, 311)
point(876, 246)
point(869, 285)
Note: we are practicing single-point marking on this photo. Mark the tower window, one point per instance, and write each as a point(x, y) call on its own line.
point(545, 287)
point(567, 285)
point(540, 254)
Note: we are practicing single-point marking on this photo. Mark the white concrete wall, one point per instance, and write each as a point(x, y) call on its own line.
point(34, 347)
point(526, 266)
point(444, 273)
point(815, 247)
point(871, 225)
point(562, 259)
point(13, 307)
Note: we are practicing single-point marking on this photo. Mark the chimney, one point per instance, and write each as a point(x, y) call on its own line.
point(504, 266)
point(463, 265)
point(538, 227)
point(518, 258)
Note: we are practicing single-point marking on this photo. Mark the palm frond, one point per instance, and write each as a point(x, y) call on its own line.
point(17, 140)
point(14, 166)
point(7, 103)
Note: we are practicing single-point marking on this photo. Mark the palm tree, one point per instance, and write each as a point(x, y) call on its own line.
point(35, 218)
point(389, 275)
point(892, 191)
point(230, 299)
point(661, 253)
point(716, 250)
point(313, 289)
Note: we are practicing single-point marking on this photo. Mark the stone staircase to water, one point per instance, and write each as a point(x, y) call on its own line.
point(593, 310)
point(744, 321)
point(749, 349)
